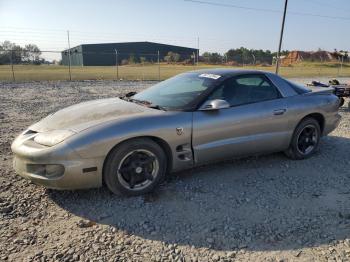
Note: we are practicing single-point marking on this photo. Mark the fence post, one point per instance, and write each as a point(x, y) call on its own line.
point(13, 72)
point(158, 67)
point(116, 62)
point(69, 61)
point(194, 58)
point(197, 51)
point(341, 65)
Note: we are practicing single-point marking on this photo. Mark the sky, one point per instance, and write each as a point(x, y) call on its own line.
point(180, 22)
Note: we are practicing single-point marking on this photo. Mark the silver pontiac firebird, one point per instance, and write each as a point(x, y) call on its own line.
point(130, 143)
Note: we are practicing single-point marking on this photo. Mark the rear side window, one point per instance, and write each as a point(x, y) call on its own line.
point(246, 89)
point(298, 88)
point(252, 81)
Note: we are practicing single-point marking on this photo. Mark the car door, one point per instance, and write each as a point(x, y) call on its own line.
point(255, 122)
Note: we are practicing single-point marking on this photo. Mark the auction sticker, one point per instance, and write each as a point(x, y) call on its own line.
point(212, 76)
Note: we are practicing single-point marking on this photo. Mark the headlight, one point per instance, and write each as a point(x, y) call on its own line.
point(53, 137)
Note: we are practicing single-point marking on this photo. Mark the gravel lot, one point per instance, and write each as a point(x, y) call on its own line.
point(265, 208)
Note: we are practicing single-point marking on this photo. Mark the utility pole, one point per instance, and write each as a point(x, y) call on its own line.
point(253, 59)
point(341, 64)
point(13, 72)
point(69, 61)
point(197, 50)
point(281, 36)
point(158, 67)
point(116, 62)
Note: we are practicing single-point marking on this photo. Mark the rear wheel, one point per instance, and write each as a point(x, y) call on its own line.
point(305, 139)
point(135, 167)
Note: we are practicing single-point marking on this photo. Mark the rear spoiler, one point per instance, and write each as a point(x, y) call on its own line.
point(320, 90)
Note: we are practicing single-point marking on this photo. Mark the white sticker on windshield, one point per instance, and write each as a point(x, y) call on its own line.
point(212, 76)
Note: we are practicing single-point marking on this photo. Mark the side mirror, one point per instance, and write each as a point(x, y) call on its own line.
point(215, 104)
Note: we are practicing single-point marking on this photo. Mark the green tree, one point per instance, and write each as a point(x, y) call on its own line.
point(249, 56)
point(206, 57)
point(172, 57)
point(10, 51)
point(143, 59)
point(212, 58)
point(31, 54)
point(133, 59)
point(176, 57)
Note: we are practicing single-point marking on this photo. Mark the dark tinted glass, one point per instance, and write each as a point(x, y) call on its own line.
point(245, 90)
point(298, 88)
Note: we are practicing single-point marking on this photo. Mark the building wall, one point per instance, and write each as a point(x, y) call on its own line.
point(105, 54)
point(76, 56)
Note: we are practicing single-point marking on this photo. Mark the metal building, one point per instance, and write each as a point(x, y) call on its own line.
point(106, 54)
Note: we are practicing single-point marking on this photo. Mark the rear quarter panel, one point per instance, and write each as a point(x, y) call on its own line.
point(300, 106)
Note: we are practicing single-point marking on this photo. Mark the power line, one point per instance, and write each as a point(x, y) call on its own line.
point(266, 10)
point(233, 6)
point(24, 36)
point(94, 33)
point(339, 8)
point(31, 28)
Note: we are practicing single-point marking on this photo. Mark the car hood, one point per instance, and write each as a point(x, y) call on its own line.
point(84, 115)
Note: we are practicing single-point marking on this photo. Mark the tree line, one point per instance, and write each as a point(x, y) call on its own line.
point(239, 56)
point(242, 55)
point(31, 54)
point(170, 57)
point(16, 54)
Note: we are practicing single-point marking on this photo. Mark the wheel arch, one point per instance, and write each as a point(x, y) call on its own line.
point(161, 142)
point(318, 117)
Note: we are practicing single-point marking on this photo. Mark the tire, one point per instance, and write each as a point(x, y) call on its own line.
point(341, 101)
point(132, 162)
point(304, 139)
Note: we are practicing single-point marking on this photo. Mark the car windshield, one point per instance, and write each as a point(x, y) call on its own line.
point(177, 92)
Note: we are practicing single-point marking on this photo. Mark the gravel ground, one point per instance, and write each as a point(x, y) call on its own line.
point(265, 208)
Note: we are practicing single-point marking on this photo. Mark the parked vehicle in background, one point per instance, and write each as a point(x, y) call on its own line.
point(194, 118)
point(340, 90)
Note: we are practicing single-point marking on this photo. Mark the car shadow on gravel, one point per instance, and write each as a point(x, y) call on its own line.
point(258, 203)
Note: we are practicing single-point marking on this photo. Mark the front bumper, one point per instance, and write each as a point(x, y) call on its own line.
point(78, 172)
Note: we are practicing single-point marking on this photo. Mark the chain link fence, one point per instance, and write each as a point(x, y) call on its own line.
point(25, 65)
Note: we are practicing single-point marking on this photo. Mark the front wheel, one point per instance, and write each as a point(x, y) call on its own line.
point(135, 167)
point(305, 139)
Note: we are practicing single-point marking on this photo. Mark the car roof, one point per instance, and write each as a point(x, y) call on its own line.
point(228, 72)
point(225, 73)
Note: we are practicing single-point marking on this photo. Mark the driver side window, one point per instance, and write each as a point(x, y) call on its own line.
point(245, 90)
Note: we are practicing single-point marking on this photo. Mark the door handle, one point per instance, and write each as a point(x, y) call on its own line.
point(279, 111)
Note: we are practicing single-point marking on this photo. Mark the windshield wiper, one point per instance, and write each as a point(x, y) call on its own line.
point(132, 93)
point(143, 102)
point(158, 107)
point(127, 96)
point(148, 104)
point(130, 99)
